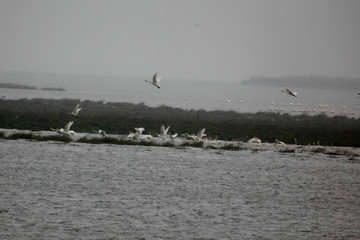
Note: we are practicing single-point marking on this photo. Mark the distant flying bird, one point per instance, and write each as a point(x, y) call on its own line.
point(101, 132)
point(198, 137)
point(289, 92)
point(155, 81)
point(76, 111)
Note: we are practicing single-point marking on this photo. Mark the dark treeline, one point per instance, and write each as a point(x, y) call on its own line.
point(120, 118)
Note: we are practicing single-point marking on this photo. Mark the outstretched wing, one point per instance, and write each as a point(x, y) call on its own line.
point(77, 108)
point(162, 130)
point(200, 133)
point(166, 130)
point(155, 78)
point(68, 125)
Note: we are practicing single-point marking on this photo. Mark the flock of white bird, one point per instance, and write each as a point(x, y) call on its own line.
point(320, 109)
point(201, 134)
point(138, 131)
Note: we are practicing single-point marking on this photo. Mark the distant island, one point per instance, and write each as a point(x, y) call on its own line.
point(306, 82)
point(23, 86)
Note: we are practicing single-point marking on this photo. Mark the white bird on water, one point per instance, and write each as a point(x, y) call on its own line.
point(101, 132)
point(76, 111)
point(198, 137)
point(155, 81)
point(289, 92)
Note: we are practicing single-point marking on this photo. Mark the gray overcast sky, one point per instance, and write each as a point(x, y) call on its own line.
point(225, 40)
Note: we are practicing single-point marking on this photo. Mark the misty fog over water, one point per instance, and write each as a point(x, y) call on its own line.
point(189, 94)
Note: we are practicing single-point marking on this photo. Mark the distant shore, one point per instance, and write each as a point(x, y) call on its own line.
point(23, 86)
point(90, 138)
point(320, 82)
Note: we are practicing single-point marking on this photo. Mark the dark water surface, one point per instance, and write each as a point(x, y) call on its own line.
point(81, 191)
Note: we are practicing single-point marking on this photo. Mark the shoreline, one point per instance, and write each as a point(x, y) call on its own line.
point(147, 140)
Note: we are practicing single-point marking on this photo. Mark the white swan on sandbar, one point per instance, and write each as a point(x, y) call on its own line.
point(139, 130)
point(101, 132)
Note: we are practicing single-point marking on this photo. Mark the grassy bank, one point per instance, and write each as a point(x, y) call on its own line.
point(120, 118)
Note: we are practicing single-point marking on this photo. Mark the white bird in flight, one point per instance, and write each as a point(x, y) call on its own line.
point(198, 137)
point(163, 131)
point(155, 81)
point(66, 130)
point(76, 111)
point(289, 92)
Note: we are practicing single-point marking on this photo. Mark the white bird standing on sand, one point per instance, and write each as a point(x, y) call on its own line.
point(101, 132)
point(155, 81)
point(139, 130)
point(277, 142)
point(289, 92)
point(255, 140)
point(76, 111)
point(198, 137)
point(173, 136)
point(163, 131)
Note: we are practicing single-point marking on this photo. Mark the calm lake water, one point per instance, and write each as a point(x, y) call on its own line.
point(200, 95)
point(54, 190)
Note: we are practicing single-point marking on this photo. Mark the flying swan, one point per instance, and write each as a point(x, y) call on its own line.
point(156, 81)
point(163, 131)
point(198, 137)
point(76, 111)
point(289, 92)
point(66, 130)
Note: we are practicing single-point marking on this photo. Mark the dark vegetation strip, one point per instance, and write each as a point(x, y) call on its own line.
point(120, 118)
